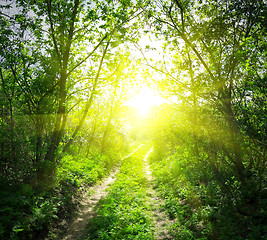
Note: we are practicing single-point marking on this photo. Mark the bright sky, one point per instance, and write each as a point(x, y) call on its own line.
point(145, 100)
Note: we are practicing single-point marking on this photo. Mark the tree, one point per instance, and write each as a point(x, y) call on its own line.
point(217, 34)
point(59, 42)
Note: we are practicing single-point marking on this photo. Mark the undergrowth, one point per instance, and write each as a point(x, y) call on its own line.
point(27, 213)
point(201, 208)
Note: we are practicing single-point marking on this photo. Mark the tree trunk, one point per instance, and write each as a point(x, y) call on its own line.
point(194, 126)
point(47, 173)
point(234, 134)
point(91, 137)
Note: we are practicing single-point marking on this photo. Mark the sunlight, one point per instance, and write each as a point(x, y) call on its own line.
point(145, 100)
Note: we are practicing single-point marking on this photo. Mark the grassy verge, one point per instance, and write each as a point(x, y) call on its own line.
point(124, 213)
point(201, 208)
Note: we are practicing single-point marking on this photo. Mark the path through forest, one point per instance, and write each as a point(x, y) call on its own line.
point(161, 224)
point(77, 227)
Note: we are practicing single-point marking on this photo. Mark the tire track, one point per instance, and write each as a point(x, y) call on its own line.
point(161, 221)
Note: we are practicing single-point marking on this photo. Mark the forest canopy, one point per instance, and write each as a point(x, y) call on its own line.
point(74, 75)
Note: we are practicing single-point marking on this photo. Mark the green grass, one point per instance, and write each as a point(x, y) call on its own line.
point(124, 213)
point(81, 171)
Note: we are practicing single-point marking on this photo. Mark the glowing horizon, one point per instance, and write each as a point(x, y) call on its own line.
point(145, 100)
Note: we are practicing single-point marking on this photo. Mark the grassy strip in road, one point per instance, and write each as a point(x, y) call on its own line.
point(124, 213)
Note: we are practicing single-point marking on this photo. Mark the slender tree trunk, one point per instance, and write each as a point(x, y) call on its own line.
point(2, 116)
point(38, 145)
point(89, 145)
point(47, 174)
point(61, 117)
point(12, 141)
point(113, 110)
point(194, 101)
point(3, 160)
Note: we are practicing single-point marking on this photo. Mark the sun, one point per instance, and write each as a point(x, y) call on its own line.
point(144, 101)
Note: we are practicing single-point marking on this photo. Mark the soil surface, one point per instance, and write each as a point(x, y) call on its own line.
point(161, 221)
point(86, 209)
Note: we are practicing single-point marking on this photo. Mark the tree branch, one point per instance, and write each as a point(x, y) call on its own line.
point(48, 2)
point(89, 55)
point(89, 102)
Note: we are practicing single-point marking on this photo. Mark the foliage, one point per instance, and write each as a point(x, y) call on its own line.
point(211, 140)
point(27, 213)
point(56, 58)
point(23, 214)
point(204, 202)
point(80, 171)
point(67, 68)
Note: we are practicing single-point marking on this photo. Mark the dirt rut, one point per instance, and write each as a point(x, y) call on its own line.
point(86, 209)
point(161, 221)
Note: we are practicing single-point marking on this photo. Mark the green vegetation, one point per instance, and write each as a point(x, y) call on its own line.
point(203, 192)
point(27, 213)
point(68, 70)
point(124, 213)
point(201, 207)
